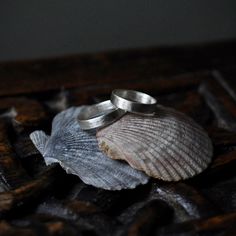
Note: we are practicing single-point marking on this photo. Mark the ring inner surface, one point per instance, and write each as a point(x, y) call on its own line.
point(97, 110)
point(137, 97)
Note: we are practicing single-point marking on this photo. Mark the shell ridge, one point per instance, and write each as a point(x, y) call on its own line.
point(172, 153)
point(89, 159)
point(131, 163)
point(196, 170)
point(170, 144)
point(173, 171)
point(179, 142)
point(183, 126)
point(151, 139)
point(166, 171)
point(161, 124)
point(117, 146)
point(102, 164)
point(180, 115)
point(171, 120)
point(39, 139)
point(121, 159)
point(189, 136)
point(78, 153)
point(86, 163)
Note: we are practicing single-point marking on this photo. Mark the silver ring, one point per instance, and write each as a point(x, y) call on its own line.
point(99, 115)
point(134, 101)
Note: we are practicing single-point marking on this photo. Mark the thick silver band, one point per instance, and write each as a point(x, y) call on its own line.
point(99, 115)
point(133, 101)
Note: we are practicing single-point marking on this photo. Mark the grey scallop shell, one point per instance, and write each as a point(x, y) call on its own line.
point(169, 146)
point(78, 153)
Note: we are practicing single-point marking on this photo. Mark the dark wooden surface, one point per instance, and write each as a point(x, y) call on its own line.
point(39, 200)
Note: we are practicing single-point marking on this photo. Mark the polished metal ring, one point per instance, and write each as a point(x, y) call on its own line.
point(99, 115)
point(134, 101)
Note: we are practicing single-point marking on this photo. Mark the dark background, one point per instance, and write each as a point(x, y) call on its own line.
point(32, 29)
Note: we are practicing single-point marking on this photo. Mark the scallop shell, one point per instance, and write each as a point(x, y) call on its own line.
point(78, 153)
point(169, 146)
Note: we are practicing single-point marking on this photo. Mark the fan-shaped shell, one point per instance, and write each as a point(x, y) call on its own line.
point(78, 153)
point(168, 146)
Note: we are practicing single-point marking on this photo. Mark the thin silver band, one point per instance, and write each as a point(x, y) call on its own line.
point(133, 101)
point(99, 115)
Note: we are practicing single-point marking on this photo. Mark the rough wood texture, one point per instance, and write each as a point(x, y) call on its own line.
point(35, 200)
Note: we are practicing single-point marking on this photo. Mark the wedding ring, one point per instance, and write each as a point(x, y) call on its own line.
point(99, 115)
point(133, 101)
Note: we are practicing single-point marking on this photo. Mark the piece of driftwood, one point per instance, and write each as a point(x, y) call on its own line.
point(38, 200)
